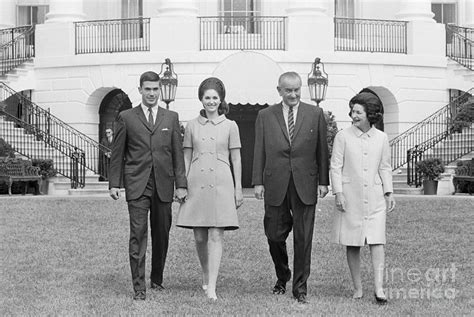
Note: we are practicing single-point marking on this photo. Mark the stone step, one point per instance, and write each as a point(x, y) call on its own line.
point(408, 191)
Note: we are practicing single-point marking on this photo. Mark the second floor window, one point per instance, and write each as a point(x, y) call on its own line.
point(31, 15)
point(444, 12)
point(239, 15)
point(132, 9)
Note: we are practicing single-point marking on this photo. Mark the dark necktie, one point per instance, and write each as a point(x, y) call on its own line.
point(150, 117)
point(291, 123)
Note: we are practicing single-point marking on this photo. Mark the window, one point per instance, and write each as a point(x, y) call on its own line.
point(344, 8)
point(31, 15)
point(444, 12)
point(239, 15)
point(132, 9)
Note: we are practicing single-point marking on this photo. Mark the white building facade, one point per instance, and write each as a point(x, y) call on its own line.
point(81, 75)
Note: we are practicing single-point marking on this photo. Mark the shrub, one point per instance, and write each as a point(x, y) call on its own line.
point(463, 118)
point(332, 129)
point(6, 149)
point(430, 169)
point(47, 169)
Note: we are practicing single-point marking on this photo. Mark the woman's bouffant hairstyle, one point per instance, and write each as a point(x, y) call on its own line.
point(218, 86)
point(372, 106)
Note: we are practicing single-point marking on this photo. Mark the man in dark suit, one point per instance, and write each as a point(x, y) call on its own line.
point(148, 151)
point(290, 170)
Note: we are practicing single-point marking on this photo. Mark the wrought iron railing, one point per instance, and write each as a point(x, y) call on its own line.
point(460, 45)
point(446, 146)
point(439, 123)
point(9, 35)
point(109, 36)
point(55, 133)
point(368, 35)
point(242, 33)
point(18, 50)
point(25, 139)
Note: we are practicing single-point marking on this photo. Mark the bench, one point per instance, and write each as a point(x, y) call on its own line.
point(12, 170)
point(464, 176)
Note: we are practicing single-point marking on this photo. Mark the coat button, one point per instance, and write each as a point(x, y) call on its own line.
point(211, 169)
point(212, 186)
point(202, 169)
point(203, 139)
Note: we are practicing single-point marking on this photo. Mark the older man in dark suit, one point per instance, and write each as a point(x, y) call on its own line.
point(148, 151)
point(290, 170)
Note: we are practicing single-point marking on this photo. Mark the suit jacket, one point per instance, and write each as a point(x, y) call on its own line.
point(306, 158)
point(138, 148)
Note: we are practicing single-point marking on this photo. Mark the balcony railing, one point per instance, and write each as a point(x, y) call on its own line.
point(242, 33)
point(367, 35)
point(109, 36)
point(460, 45)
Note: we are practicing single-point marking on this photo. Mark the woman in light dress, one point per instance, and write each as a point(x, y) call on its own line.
point(361, 177)
point(213, 194)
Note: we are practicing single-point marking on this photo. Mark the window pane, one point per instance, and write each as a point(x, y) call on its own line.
point(449, 13)
point(436, 9)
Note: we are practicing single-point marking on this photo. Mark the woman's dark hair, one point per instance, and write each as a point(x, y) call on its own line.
point(372, 106)
point(218, 86)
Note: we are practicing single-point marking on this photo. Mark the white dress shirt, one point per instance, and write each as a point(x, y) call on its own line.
point(285, 114)
point(154, 111)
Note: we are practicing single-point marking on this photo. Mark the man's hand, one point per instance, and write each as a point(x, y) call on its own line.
point(322, 191)
point(259, 191)
point(181, 194)
point(114, 192)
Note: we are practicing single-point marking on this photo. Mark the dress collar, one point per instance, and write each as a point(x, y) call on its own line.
point(359, 133)
point(202, 120)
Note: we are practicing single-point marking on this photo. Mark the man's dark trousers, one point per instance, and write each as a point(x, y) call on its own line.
point(160, 223)
point(278, 222)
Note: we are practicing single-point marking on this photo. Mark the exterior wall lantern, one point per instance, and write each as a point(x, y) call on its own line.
point(317, 82)
point(168, 82)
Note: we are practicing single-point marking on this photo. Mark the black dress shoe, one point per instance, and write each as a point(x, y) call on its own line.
point(381, 300)
point(301, 298)
point(156, 286)
point(279, 288)
point(139, 295)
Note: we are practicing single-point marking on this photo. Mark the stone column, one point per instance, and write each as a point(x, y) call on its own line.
point(176, 26)
point(7, 14)
point(469, 9)
point(310, 29)
point(420, 23)
point(416, 10)
point(65, 11)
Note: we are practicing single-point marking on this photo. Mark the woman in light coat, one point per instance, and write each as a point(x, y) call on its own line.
point(361, 177)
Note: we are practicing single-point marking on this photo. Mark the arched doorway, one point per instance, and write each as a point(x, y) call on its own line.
point(113, 103)
point(245, 115)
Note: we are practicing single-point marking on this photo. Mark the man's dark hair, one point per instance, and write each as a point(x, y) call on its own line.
point(149, 76)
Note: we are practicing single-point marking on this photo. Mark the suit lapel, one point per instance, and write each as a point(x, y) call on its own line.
point(300, 118)
point(159, 117)
point(278, 112)
point(141, 116)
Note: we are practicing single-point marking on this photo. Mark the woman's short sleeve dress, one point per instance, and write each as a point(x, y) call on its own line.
point(210, 201)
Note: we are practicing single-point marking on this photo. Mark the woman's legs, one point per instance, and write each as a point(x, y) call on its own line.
point(201, 238)
point(215, 254)
point(353, 259)
point(378, 262)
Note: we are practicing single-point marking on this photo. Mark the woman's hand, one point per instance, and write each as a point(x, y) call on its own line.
point(239, 197)
point(389, 201)
point(340, 202)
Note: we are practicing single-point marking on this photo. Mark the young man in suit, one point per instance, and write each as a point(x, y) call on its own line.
point(148, 151)
point(290, 170)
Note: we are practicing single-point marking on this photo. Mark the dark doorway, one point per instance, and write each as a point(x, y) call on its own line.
point(245, 116)
point(113, 103)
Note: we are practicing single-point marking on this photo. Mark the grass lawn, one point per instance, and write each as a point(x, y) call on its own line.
point(69, 256)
